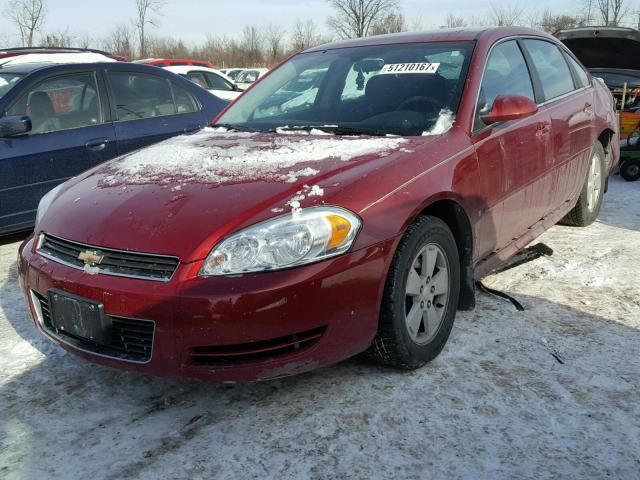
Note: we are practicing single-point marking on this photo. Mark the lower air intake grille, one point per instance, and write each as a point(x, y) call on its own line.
point(111, 262)
point(132, 339)
point(255, 351)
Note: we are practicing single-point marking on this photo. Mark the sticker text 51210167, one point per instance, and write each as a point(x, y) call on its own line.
point(394, 68)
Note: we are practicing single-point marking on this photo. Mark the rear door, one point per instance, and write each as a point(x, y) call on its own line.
point(149, 108)
point(512, 155)
point(71, 133)
point(568, 97)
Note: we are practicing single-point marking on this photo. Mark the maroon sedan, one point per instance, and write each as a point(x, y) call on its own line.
point(344, 204)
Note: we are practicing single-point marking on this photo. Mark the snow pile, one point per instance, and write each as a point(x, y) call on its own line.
point(443, 124)
point(214, 156)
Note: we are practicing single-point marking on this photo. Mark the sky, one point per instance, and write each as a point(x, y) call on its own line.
point(193, 20)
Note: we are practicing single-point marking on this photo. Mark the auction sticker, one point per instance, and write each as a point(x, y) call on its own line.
point(394, 68)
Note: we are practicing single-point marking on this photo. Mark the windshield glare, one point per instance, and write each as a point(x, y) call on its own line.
point(388, 89)
point(7, 82)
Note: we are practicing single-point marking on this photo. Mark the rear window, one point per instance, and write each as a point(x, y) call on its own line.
point(552, 68)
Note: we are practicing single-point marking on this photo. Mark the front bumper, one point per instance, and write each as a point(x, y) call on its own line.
point(242, 328)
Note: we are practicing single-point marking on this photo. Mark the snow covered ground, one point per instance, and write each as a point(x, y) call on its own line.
point(552, 392)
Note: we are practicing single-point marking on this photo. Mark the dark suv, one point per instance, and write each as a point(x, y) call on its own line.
point(57, 120)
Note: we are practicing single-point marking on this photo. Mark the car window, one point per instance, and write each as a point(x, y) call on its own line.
point(8, 81)
point(506, 73)
point(139, 95)
point(61, 103)
point(552, 68)
point(582, 75)
point(216, 82)
point(296, 95)
point(248, 76)
point(376, 89)
point(185, 102)
point(198, 79)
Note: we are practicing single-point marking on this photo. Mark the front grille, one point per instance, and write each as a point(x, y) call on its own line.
point(255, 351)
point(114, 262)
point(132, 339)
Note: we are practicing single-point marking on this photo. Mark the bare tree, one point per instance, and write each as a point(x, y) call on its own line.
point(611, 12)
point(62, 39)
point(28, 17)
point(274, 39)
point(551, 22)
point(120, 41)
point(304, 35)
point(390, 23)
point(144, 16)
point(250, 45)
point(353, 18)
point(455, 21)
point(506, 16)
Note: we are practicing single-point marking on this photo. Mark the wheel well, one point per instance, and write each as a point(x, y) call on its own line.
point(605, 139)
point(457, 220)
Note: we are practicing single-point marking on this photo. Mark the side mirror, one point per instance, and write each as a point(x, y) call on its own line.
point(13, 125)
point(510, 107)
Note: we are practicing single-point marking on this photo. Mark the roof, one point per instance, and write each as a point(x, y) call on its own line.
point(53, 57)
point(442, 35)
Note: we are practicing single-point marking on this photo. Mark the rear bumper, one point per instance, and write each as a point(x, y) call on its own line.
point(242, 328)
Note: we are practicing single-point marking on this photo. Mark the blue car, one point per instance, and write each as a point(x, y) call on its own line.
point(58, 120)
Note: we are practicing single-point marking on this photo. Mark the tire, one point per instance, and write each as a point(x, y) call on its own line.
point(630, 170)
point(428, 243)
point(588, 206)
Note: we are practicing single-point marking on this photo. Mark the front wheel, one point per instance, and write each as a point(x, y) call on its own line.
point(420, 296)
point(630, 170)
point(588, 207)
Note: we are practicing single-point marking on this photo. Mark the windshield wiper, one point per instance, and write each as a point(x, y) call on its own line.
point(335, 129)
point(235, 128)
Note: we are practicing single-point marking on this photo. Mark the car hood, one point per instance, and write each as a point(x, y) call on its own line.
point(604, 47)
point(182, 196)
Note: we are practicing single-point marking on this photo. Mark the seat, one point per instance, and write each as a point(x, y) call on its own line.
point(384, 93)
point(43, 115)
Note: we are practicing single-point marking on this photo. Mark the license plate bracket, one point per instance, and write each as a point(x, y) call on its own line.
point(79, 317)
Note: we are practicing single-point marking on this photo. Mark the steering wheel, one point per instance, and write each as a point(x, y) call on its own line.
point(419, 101)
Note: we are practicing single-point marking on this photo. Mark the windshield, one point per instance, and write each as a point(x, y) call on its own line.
point(8, 81)
point(384, 89)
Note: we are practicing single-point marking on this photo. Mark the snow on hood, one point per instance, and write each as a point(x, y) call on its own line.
point(216, 156)
point(443, 124)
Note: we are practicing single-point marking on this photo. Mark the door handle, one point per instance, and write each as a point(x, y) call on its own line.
point(192, 128)
point(587, 108)
point(97, 145)
point(543, 128)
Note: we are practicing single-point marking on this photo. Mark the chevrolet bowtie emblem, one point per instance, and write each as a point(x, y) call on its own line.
point(90, 257)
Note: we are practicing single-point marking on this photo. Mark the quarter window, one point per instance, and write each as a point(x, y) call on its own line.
point(552, 68)
point(506, 73)
point(61, 103)
point(583, 78)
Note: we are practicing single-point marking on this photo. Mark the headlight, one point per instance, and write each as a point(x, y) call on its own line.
point(45, 202)
point(290, 240)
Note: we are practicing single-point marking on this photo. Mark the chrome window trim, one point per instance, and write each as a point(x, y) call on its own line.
point(35, 301)
point(43, 235)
